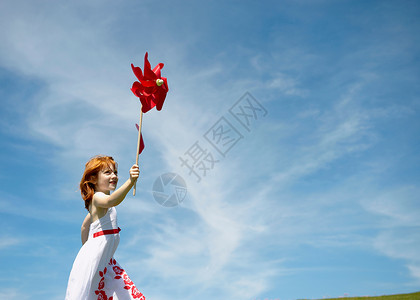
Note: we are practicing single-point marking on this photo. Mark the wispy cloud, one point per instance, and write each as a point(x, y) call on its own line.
point(402, 244)
point(11, 293)
point(398, 235)
point(7, 242)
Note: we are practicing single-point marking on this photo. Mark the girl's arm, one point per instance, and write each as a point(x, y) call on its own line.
point(85, 228)
point(106, 201)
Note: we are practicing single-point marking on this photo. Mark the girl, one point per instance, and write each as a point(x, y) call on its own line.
point(95, 273)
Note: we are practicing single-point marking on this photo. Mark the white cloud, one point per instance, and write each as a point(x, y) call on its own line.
point(401, 244)
point(12, 293)
point(398, 205)
point(336, 133)
point(286, 85)
point(6, 242)
point(398, 235)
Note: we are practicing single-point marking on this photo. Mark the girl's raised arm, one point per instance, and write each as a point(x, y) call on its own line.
point(106, 201)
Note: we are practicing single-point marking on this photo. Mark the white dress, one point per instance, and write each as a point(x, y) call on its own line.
point(96, 275)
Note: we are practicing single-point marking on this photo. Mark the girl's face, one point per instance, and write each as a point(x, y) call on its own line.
point(107, 180)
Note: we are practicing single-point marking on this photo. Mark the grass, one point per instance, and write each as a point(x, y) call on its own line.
point(412, 296)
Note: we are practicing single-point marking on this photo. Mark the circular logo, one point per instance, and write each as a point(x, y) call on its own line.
point(169, 189)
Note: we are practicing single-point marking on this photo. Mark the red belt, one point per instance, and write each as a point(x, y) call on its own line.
point(104, 232)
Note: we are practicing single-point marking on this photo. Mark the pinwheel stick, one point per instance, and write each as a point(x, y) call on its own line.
point(138, 145)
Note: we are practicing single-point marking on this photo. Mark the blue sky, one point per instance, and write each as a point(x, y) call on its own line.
point(319, 197)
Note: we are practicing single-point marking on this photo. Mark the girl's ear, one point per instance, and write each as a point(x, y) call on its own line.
point(93, 179)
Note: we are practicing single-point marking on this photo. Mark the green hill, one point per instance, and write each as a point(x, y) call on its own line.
point(412, 296)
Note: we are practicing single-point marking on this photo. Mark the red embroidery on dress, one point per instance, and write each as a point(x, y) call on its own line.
point(118, 271)
point(101, 284)
point(100, 292)
point(127, 279)
point(136, 293)
point(128, 284)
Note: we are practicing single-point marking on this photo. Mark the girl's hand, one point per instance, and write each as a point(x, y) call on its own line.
point(134, 173)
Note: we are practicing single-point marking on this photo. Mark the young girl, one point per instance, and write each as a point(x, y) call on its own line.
point(95, 273)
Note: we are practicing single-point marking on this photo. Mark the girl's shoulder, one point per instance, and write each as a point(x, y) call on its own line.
point(99, 195)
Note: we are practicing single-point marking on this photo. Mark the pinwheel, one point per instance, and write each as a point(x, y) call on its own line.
point(151, 88)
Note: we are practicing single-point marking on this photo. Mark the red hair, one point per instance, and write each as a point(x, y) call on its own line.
point(90, 175)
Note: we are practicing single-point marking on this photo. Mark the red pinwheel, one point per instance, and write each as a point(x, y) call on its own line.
point(151, 89)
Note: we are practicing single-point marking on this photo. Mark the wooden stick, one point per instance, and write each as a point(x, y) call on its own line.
point(138, 145)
